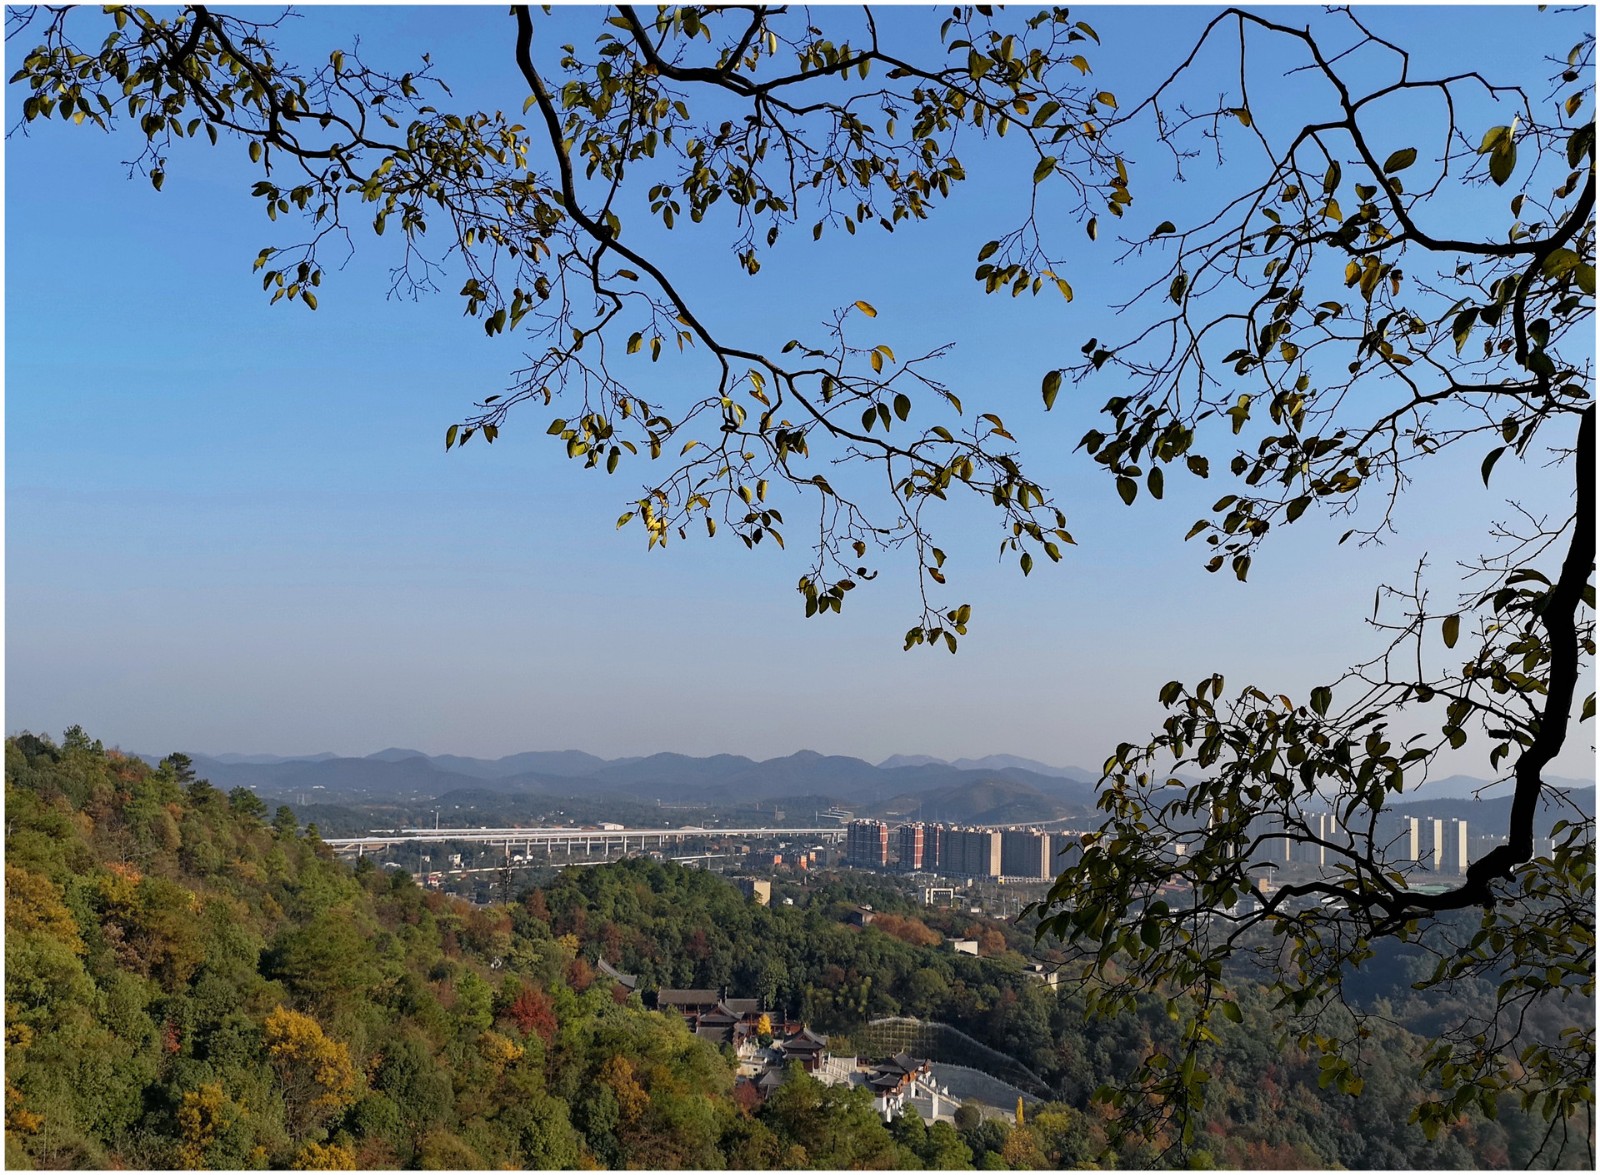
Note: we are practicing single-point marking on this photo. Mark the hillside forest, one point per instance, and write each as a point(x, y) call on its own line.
point(194, 981)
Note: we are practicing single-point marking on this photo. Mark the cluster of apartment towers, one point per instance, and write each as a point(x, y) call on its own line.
point(1023, 853)
point(1029, 854)
point(1431, 842)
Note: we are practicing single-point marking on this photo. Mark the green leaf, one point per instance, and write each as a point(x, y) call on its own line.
point(1400, 160)
point(1492, 138)
point(1559, 262)
point(1166, 226)
point(1452, 629)
point(1321, 699)
point(902, 405)
point(1503, 162)
point(1179, 285)
point(1330, 181)
point(1489, 460)
point(450, 436)
point(1052, 386)
point(1047, 165)
point(1580, 143)
point(1127, 489)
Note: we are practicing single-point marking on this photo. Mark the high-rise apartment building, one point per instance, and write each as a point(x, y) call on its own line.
point(1410, 847)
point(866, 842)
point(1268, 834)
point(1324, 826)
point(1453, 852)
point(973, 852)
point(1065, 850)
point(1026, 853)
point(934, 849)
point(913, 847)
point(1435, 858)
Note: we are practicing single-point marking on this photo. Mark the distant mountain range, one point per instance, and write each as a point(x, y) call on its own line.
point(992, 763)
point(993, 790)
point(1001, 789)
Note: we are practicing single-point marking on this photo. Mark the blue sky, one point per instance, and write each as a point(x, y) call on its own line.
point(230, 527)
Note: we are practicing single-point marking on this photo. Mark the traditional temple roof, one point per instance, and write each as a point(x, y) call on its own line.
point(686, 997)
point(628, 981)
point(805, 1041)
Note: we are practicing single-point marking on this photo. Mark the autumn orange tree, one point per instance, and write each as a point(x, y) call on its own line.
point(1401, 267)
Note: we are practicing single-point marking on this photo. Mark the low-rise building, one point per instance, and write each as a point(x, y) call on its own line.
point(896, 1080)
point(807, 1047)
point(755, 888)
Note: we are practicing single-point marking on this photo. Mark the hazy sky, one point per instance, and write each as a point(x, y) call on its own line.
point(234, 528)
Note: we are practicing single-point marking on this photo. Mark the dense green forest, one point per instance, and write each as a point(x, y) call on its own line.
point(193, 981)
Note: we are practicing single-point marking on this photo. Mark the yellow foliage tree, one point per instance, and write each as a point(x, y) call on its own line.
point(618, 1073)
point(202, 1115)
point(497, 1049)
point(33, 903)
point(316, 1074)
point(1022, 1151)
point(18, 1117)
point(316, 1156)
